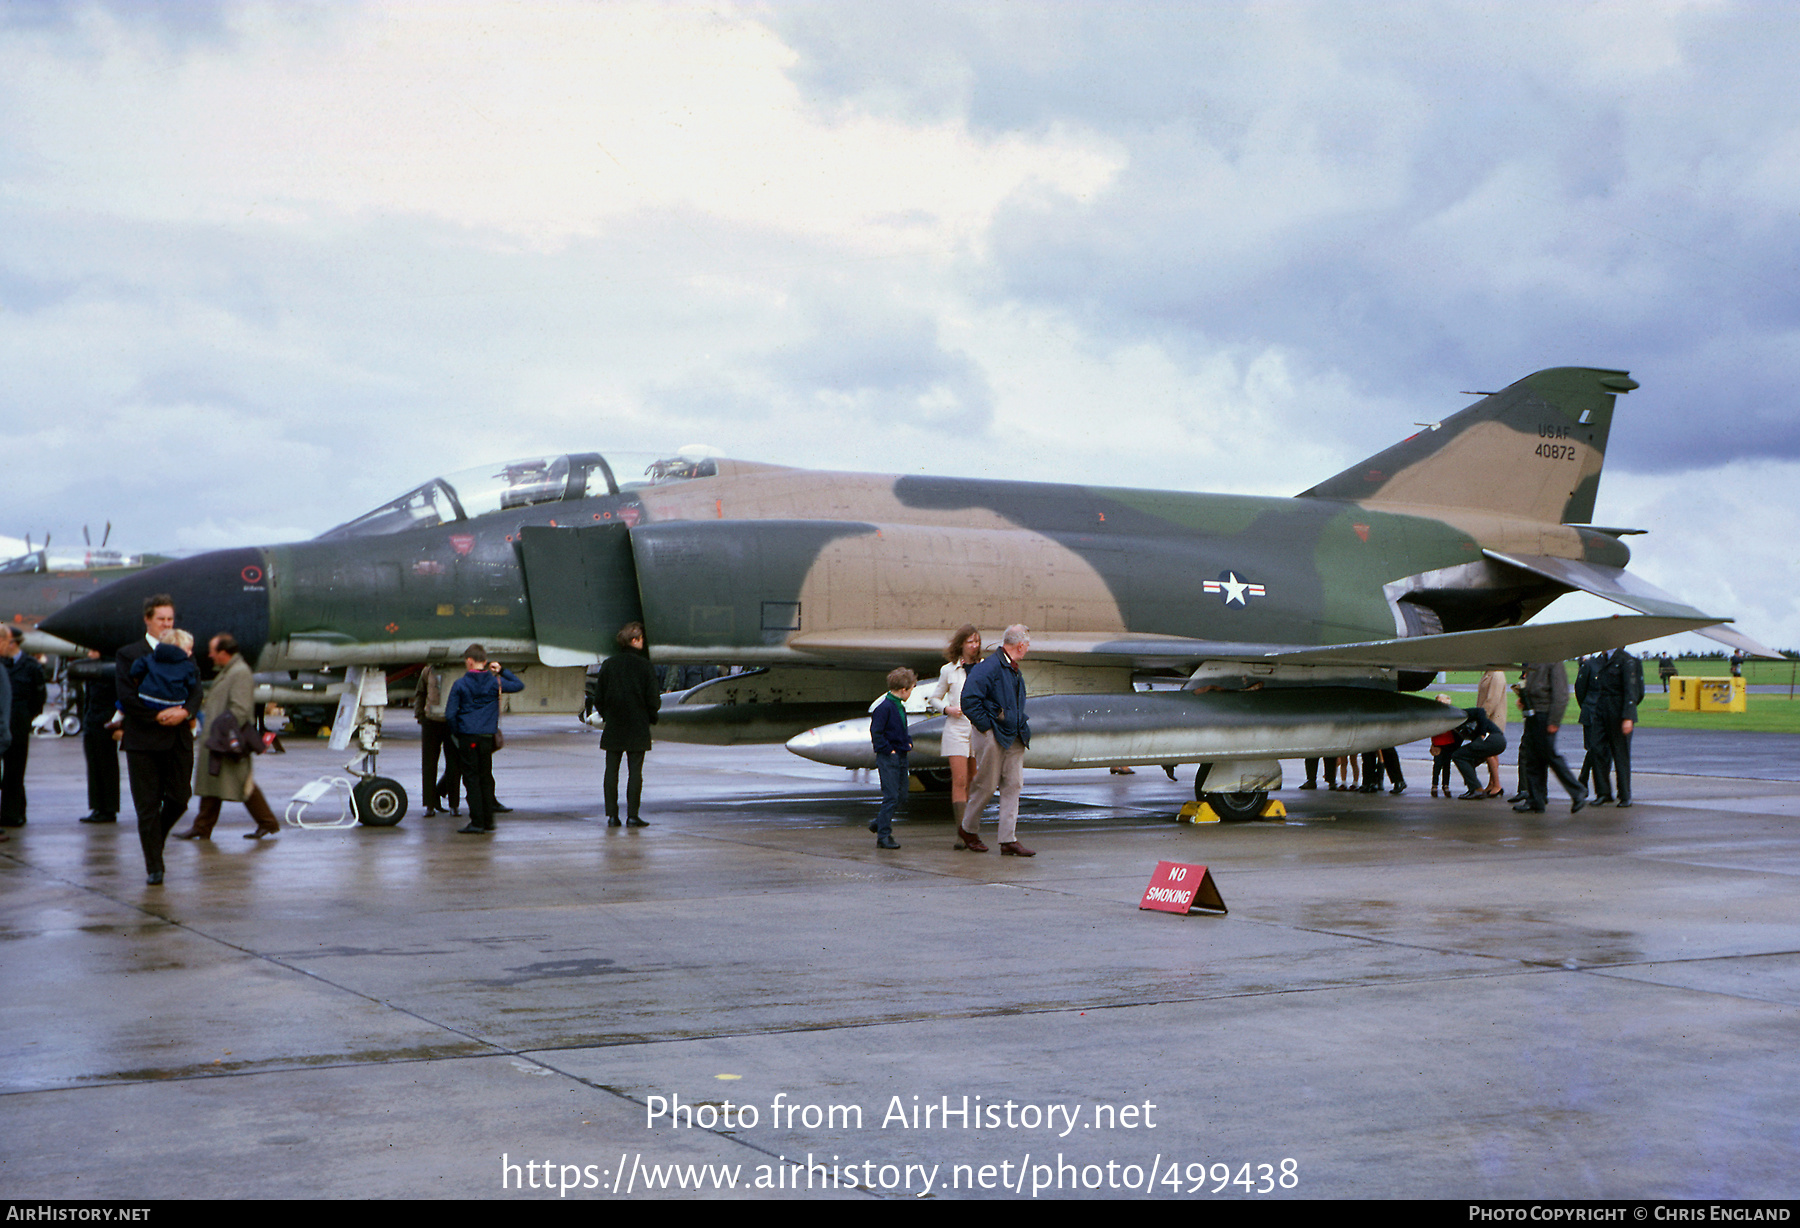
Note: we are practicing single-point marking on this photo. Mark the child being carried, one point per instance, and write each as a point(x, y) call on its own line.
point(165, 677)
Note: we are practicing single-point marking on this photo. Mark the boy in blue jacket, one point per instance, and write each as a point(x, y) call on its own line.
point(887, 731)
point(473, 714)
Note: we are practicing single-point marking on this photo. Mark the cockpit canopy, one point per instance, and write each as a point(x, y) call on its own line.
point(523, 483)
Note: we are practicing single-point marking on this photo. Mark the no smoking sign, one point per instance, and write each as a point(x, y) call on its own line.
point(1182, 888)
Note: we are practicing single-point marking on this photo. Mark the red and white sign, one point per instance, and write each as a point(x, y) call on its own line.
point(462, 543)
point(1182, 888)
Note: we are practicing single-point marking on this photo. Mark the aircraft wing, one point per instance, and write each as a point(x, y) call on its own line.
point(1498, 647)
point(1458, 650)
point(1616, 584)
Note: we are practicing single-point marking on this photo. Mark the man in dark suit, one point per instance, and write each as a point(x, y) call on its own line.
point(28, 693)
point(625, 695)
point(99, 704)
point(1615, 687)
point(1590, 732)
point(158, 743)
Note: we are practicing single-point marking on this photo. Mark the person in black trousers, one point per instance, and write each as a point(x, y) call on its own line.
point(434, 738)
point(473, 714)
point(626, 696)
point(28, 693)
point(1615, 686)
point(99, 704)
point(1480, 738)
point(1375, 762)
point(1544, 697)
point(158, 743)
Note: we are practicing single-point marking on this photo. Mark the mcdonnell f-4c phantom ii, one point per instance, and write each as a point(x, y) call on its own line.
point(1299, 624)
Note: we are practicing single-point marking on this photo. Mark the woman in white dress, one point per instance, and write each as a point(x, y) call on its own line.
point(963, 651)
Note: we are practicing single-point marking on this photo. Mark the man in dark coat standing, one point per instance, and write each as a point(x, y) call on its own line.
point(28, 693)
point(429, 698)
point(1616, 687)
point(99, 704)
point(1590, 731)
point(627, 698)
point(158, 742)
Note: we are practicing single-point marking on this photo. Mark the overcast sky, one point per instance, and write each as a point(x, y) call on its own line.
point(264, 266)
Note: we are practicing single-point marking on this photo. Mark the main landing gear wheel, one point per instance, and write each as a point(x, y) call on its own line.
point(1236, 805)
point(379, 802)
point(1228, 805)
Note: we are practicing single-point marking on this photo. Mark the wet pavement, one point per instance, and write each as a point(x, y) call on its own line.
point(1410, 996)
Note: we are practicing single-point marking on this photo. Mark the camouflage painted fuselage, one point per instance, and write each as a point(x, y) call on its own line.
point(743, 567)
point(760, 564)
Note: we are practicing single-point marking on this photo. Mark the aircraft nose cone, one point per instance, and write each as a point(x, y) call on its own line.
point(226, 590)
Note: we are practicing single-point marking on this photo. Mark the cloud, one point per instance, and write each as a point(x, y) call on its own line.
point(1422, 200)
point(536, 122)
point(1201, 247)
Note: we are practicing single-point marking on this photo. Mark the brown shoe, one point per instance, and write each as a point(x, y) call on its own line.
point(260, 832)
point(969, 840)
point(1015, 849)
point(191, 834)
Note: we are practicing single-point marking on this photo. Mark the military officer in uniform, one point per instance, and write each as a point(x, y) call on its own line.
point(1615, 686)
point(1543, 698)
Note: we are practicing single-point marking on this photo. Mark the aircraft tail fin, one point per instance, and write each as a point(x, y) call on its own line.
point(1534, 449)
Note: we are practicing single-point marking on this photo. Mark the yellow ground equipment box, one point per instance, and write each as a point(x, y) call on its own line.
point(1723, 695)
point(1684, 694)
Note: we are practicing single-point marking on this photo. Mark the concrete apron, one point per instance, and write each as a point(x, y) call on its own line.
point(1410, 997)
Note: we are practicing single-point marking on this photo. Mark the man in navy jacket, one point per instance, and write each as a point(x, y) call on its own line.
point(993, 699)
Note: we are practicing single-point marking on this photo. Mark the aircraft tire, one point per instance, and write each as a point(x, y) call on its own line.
point(379, 802)
point(1237, 805)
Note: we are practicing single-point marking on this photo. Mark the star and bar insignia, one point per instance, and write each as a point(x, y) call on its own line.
point(1231, 589)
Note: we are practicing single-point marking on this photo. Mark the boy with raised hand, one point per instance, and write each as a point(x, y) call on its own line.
point(473, 714)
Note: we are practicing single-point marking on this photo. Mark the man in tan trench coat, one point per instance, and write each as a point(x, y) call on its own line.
point(233, 691)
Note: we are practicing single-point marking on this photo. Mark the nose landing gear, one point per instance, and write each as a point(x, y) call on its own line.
point(375, 800)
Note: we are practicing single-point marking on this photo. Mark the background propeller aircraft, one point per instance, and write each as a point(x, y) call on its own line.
point(35, 582)
point(1299, 624)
